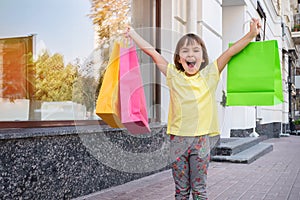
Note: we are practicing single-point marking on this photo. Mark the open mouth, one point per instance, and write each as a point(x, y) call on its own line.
point(190, 64)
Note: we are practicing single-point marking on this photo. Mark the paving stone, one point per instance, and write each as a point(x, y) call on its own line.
point(274, 176)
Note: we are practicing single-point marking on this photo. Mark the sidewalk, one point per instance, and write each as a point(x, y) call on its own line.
point(275, 176)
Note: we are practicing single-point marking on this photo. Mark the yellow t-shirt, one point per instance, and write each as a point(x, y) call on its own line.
point(193, 108)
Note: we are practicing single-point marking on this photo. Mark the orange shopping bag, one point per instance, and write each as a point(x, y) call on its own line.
point(108, 104)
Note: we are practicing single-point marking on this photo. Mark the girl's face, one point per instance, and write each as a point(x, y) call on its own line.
point(191, 58)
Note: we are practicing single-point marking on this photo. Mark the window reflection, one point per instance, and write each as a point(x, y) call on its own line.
point(47, 72)
point(16, 77)
point(51, 59)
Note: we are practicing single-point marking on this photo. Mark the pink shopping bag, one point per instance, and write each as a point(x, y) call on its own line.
point(134, 114)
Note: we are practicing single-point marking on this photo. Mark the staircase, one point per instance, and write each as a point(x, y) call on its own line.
point(241, 150)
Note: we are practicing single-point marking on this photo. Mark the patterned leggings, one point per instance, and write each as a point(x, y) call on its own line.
point(192, 156)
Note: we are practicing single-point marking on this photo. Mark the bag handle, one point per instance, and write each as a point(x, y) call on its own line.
point(126, 42)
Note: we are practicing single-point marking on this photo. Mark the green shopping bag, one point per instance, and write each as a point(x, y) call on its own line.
point(254, 76)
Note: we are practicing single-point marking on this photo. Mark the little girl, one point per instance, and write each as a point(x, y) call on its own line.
point(192, 117)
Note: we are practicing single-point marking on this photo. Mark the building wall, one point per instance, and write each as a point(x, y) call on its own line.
point(218, 23)
point(239, 15)
point(271, 114)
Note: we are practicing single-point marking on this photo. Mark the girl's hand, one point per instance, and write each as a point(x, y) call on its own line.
point(126, 32)
point(240, 44)
point(146, 47)
point(255, 27)
point(129, 31)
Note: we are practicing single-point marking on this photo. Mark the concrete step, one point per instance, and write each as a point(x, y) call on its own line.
point(246, 156)
point(234, 145)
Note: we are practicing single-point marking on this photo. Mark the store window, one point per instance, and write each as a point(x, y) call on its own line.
point(49, 61)
point(43, 46)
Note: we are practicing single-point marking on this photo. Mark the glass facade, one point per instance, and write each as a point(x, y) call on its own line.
point(51, 63)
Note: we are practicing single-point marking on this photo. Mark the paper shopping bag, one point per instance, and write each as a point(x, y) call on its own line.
point(134, 114)
point(254, 76)
point(108, 105)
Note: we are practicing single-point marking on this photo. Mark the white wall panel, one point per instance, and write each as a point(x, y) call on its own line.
point(211, 14)
point(242, 117)
point(271, 114)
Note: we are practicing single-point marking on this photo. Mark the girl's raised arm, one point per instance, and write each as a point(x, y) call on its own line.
point(239, 45)
point(158, 59)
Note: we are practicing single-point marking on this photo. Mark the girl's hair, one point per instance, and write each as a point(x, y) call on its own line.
point(189, 39)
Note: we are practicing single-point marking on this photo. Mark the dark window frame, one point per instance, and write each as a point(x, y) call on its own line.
point(262, 15)
point(55, 123)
